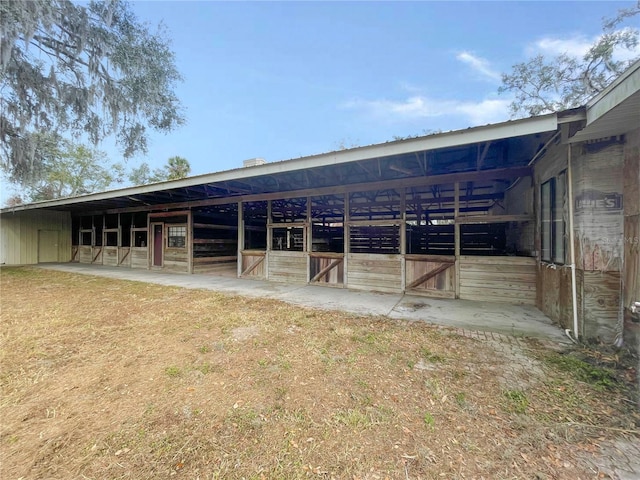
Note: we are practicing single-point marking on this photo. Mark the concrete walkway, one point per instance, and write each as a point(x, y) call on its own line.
point(515, 320)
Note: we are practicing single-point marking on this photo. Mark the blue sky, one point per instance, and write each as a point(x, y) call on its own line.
point(281, 80)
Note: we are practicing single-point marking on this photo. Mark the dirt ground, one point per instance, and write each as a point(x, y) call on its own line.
point(104, 378)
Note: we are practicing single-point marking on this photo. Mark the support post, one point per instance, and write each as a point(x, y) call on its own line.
point(456, 212)
point(240, 238)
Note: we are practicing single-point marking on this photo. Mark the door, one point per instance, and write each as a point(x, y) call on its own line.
point(158, 244)
point(48, 246)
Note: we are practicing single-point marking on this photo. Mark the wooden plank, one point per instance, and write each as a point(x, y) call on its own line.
point(326, 255)
point(493, 219)
point(178, 213)
point(431, 258)
point(482, 260)
point(123, 253)
point(110, 256)
point(253, 266)
point(213, 259)
point(326, 270)
point(447, 294)
point(601, 305)
point(420, 280)
point(96, 255)
point(210, 226)
point(86, 254)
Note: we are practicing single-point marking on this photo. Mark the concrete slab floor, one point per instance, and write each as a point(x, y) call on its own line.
point(517, 320)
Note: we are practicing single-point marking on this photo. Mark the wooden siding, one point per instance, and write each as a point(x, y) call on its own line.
point(84, 254)
point(554, 294)
point(631, 266)
point(598, 230)
point(139, 257)
point(110, 256)
point(330, 265)
point(441, 285)
point(124, 257)
point(254, 260)
point(376, 272)
point(498, 279)
point(19, 235)
point(216, 265)
point(176, 260)
point(600, 295)
point(290, 267)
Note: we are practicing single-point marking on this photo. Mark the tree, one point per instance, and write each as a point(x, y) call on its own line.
point(175, 169)
point(71, 169)
point(544, 85)
point(90, 70)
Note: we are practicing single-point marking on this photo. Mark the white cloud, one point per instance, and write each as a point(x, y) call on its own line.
point(421, 107)
point(479, 64)
point(575, 46)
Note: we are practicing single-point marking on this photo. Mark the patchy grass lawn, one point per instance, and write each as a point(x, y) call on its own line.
point(113, 379)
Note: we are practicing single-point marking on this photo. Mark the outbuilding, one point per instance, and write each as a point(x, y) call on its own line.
point(541, 211)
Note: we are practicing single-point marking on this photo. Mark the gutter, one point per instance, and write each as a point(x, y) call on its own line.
point(572, 250)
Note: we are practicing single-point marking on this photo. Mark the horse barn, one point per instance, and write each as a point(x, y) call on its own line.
point(542, 211)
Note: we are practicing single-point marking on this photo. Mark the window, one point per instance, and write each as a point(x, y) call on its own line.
point(176, 237)
point(553, 201)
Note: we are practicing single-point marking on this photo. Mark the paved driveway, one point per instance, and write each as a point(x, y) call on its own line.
point(514, 320)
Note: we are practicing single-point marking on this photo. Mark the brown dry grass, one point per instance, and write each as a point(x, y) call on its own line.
point(113, 379)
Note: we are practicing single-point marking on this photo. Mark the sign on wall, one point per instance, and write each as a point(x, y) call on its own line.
point(600, 201)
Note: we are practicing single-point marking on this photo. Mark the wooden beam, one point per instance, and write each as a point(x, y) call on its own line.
point(473, 176)
point(125, 256)
point(326, 270)
point(253, 266)
point(420, 280)
point(493, 219)
point(456, 230)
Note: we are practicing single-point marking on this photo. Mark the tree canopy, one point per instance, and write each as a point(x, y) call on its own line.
point(544, 85)
point(175, 169)
point(88, 70)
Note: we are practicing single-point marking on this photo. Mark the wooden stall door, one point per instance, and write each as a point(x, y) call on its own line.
point(158, 244)
point(430, 275)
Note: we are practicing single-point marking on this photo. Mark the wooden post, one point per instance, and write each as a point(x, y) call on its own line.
point(190, 241)
point(345, 223)
point(403, 238)
point(309, 237)
point(240, 238)
point(456, 212)
point(266, 254)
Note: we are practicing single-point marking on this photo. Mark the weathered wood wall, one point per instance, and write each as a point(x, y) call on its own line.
point(631, 268)
point(441, 285)
point(599, 235)
point(124, 256)
point(85, 253)
point(498, 279)
point(255, 261)
point(96, 255)
point(318, 263)
point(290, 267)
point(215, 265)
point(176, 260)
point(139, 257)
point(19, 235)
point(376, 272)
point(597, 173)
point(110, 256)
point(554, 294)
